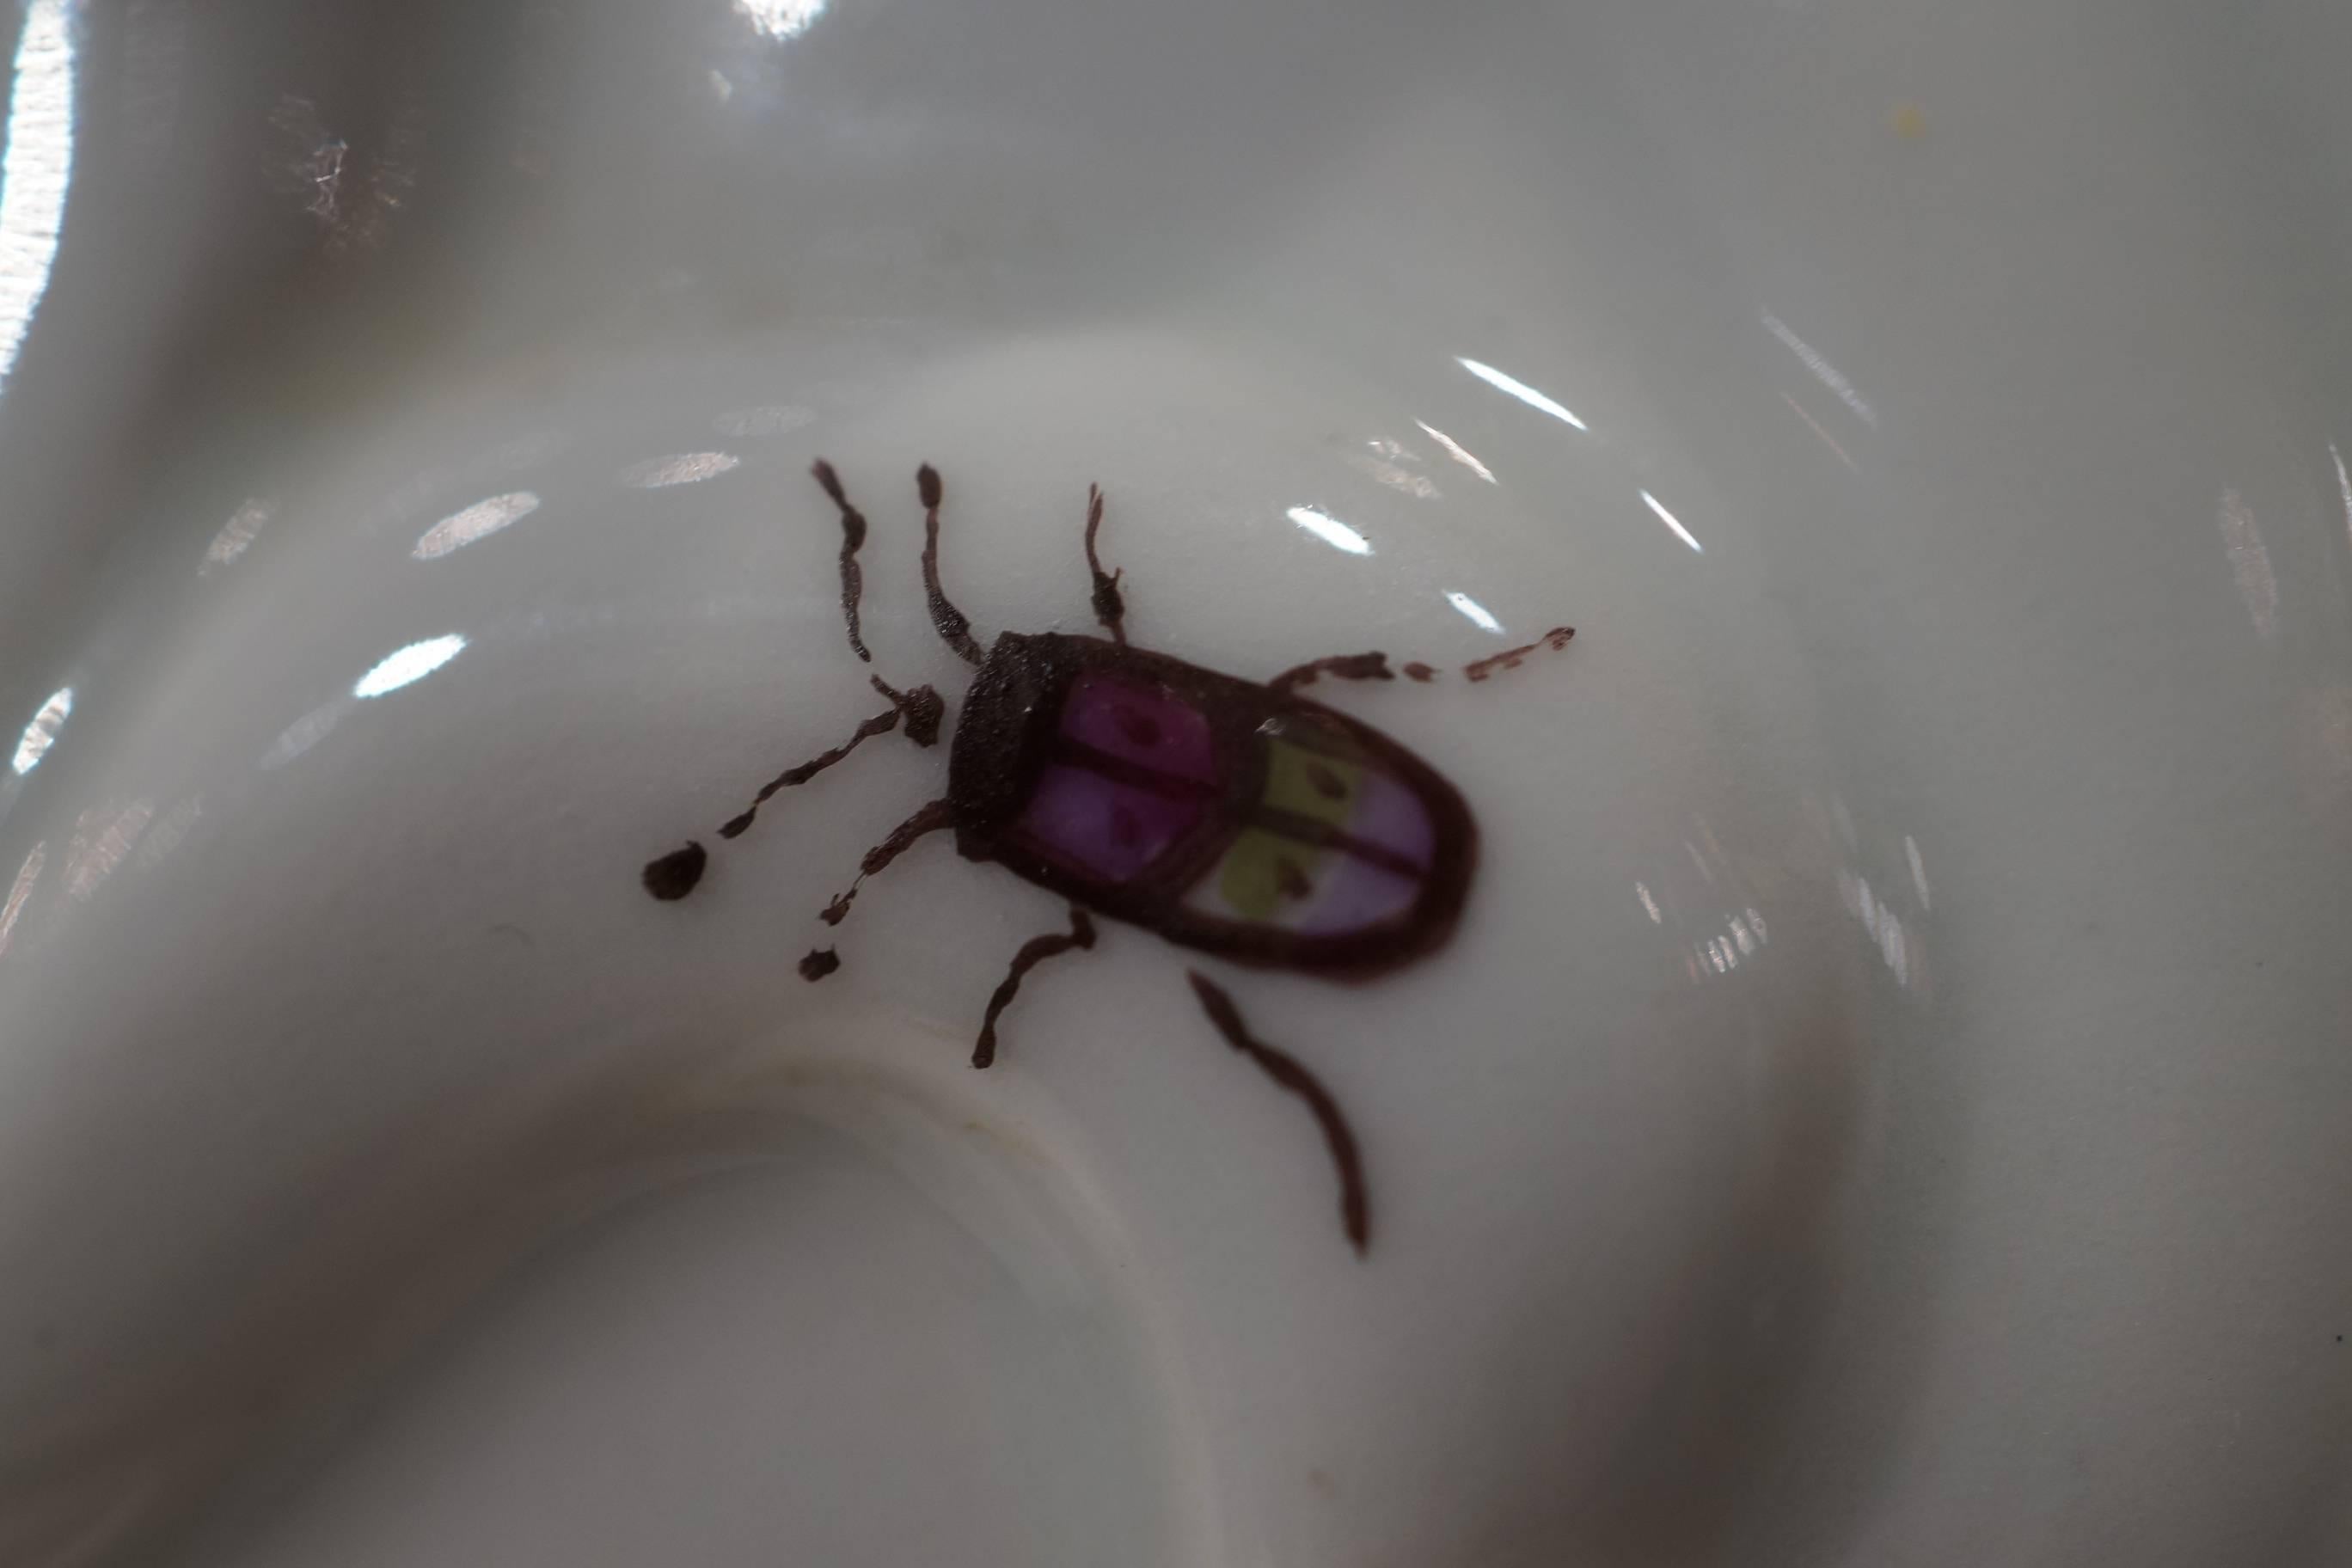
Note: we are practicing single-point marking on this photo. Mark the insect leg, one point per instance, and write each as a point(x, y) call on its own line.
point(1345, 667)
point(953, 628)
point(929, 819)
point(1287, 1070)
point(1111, 608)
point(852, 534)
point(1034, 952)
point(1511, 657)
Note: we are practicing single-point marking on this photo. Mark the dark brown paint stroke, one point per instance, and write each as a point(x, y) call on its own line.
point(1345, 667)
point(1034, 952)
point(1110, 606)
point(1324, 836)
point(1127, 771)
point(671, 876)
point(852, 534)
point(953, 628)
point(880, 724)
point(1290, 1073)
point(923, 708)
point(933, 816)
point(1510, 658)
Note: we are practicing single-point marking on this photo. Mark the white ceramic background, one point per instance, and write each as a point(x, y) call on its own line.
point(1884, 1105)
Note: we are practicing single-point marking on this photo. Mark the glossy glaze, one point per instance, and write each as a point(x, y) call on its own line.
point(1884, 1104)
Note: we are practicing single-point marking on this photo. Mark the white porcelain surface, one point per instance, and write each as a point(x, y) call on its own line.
point(1885, 1103)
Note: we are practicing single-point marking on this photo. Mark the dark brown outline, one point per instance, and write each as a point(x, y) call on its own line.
point(1009, 730)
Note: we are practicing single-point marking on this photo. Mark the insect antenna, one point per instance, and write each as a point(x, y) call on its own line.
point(1346, 666)
point(1375, 666)
point(852, 534)
point(954, 629)
point(671, 876)
point(923, 708)
point(882, 723)
point(1111, 608)
point(1511, 657)
point(1290, 1073)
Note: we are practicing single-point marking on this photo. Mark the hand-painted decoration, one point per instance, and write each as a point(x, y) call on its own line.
point(1234, 817)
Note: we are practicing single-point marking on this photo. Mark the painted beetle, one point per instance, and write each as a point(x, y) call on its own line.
point(1238, 818)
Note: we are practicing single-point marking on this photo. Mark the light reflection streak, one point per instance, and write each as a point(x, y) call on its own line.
point(238, 534)
point(94, 856)
point(2343, 487)
point(1828, 440)
point(1722, 954)
point(305, 732)
point(1742, 938)
point(317, 169)
point(404, 666)
point(27, 874)
point(2327, 734)
point(773, 420)
point(1455, 450)
point(1478, 613)
point(34, 170)
point(165, 836)
point(1503, 382)
point(1331, 531)
point(42, 732)
point(1918, 871)
point(1897, 946)
point(479, 521)
point(1828, 373)
point(353, 209)
point(1714, 845)
point(780, 19)
point(526, 451)
point(1419, 487)
point(677, 468)
point(2250, 562)
point(1671, 520)
point(406, 500)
